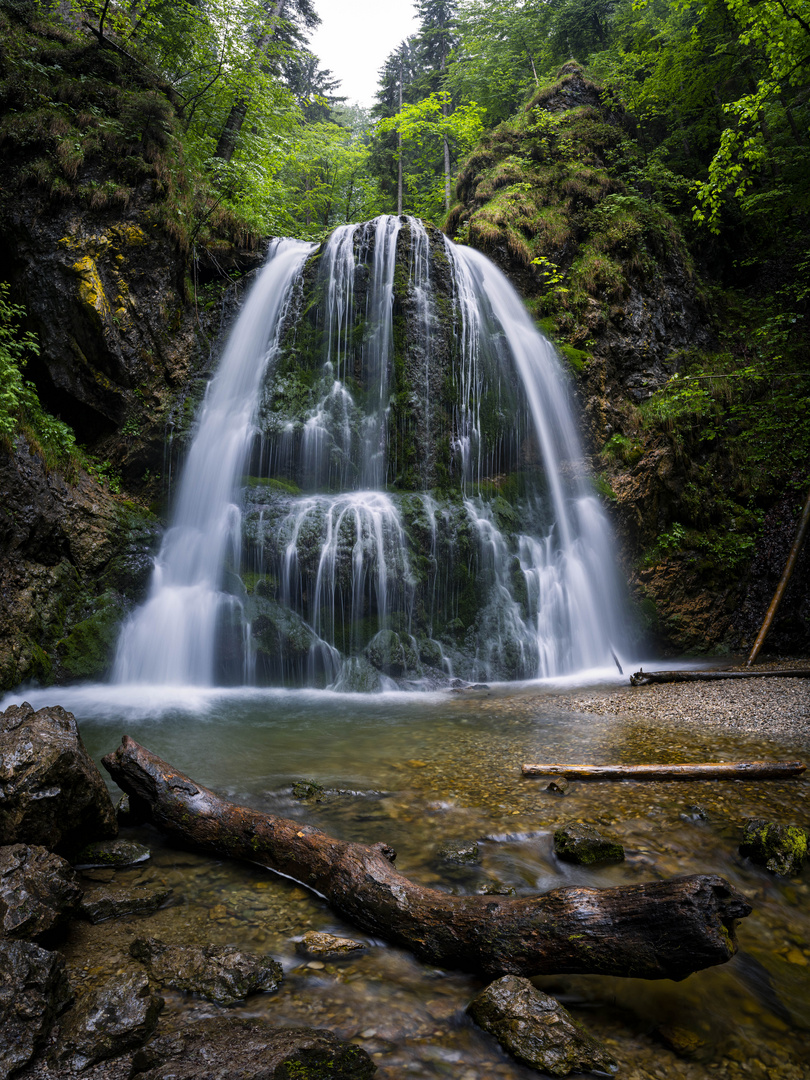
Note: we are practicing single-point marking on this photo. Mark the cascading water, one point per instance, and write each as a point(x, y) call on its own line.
point(385, 485)
point(172, 637)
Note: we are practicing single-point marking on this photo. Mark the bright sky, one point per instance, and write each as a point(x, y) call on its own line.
point(355, 38)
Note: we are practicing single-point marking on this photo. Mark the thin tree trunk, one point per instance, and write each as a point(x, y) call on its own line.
point(658, 929)
point(796, 548)
point(717, 770)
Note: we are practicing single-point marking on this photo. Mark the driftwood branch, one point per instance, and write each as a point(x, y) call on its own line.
point(793, 555)
point(646, 678)
point(717, 770)
point(659, 929)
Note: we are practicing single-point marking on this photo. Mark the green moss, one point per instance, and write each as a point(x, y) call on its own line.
point(85, 652)
point(782, 849)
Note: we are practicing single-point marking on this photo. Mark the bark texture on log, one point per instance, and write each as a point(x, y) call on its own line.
point(660, 929)
point(708, 770)
point(645, 678)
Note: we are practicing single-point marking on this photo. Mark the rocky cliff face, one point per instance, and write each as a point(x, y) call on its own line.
point(552, 198)
point(126, 316)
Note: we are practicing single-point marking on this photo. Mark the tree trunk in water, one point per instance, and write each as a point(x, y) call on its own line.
point(798, 540)
point(661, 929)
point(646, 678)
point(715, 770)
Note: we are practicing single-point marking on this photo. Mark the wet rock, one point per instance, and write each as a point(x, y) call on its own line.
point(33, 992)
point(39, 891)
point(308, 789)
point(782, 849)
point(463, 852)
point(111, 853)
point(100, 904)
point(536, 1030)
point(682, 1041)
point(493, 887)
point(51, 791)
point(250, 1050)
point(119, 1016)
point(387, 653)
point(324, 946)
point(577, 842)
point(217, 972)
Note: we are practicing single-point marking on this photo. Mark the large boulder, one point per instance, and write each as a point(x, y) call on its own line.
point(250, 1050)
point(536, 1030)
point(39, 891)
point(118, 1016)
point(34, 990)
point(50, 789)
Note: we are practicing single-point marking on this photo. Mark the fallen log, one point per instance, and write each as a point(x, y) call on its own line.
point(646, 678)
point(708, 770)
point(659, 929)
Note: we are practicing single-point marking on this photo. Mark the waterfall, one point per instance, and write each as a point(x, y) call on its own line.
point(171, 638)
point(385, 486)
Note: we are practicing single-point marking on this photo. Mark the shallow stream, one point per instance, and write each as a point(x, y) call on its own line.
point(418, 771)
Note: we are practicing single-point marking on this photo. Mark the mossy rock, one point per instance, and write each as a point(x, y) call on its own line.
point(577, 842)
point(782, 849)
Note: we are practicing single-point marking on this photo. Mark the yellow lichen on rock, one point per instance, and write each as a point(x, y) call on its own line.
point(91, 288)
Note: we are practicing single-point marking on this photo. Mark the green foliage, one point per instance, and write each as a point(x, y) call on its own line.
point(20, 408)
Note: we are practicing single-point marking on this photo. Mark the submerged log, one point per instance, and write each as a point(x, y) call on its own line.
point(708, 770)
point(659, 929)
point(645, 678)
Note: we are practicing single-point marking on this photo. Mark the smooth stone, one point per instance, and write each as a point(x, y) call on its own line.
point(464, 852)
point(34, 990)
point(536, 1030)
point(100, 904)
point(219, 1047)
point(217, 972)
point(577, 842)
point(117, 1017)
point(317, 944)
point(39, 891)
point(115, 853)
point(50, 789)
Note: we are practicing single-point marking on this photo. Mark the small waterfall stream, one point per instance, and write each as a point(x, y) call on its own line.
point(385, 487)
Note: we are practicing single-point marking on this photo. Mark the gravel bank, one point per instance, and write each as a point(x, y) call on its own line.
point(774, 708)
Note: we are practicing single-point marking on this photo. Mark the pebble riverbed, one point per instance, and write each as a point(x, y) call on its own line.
point(452, 770)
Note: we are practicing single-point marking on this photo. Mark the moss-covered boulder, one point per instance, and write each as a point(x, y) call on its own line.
point(578, 842)
point(782, 849)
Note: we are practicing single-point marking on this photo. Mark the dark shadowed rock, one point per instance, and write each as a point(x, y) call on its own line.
point(51, 791)
point(105, 902)
point(33, 991)
point(577, 842)
point(118, 1016)
point(217, 972)
point(328, 945)
point(782, 849)
point(38, 891)
point(251, 1050)
point(536, 1030)
point(111, 853)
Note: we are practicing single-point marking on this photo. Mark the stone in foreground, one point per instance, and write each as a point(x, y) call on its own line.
point(38, 891)
point(577, 842)
point(782, 849)
point(52, 793)
point(324, 946)
point(105, 1023)
point(537, 1031)
point(250, 1050)
point(217, 972)
point(114, 853)
point(33, 991)
point(103, 902)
